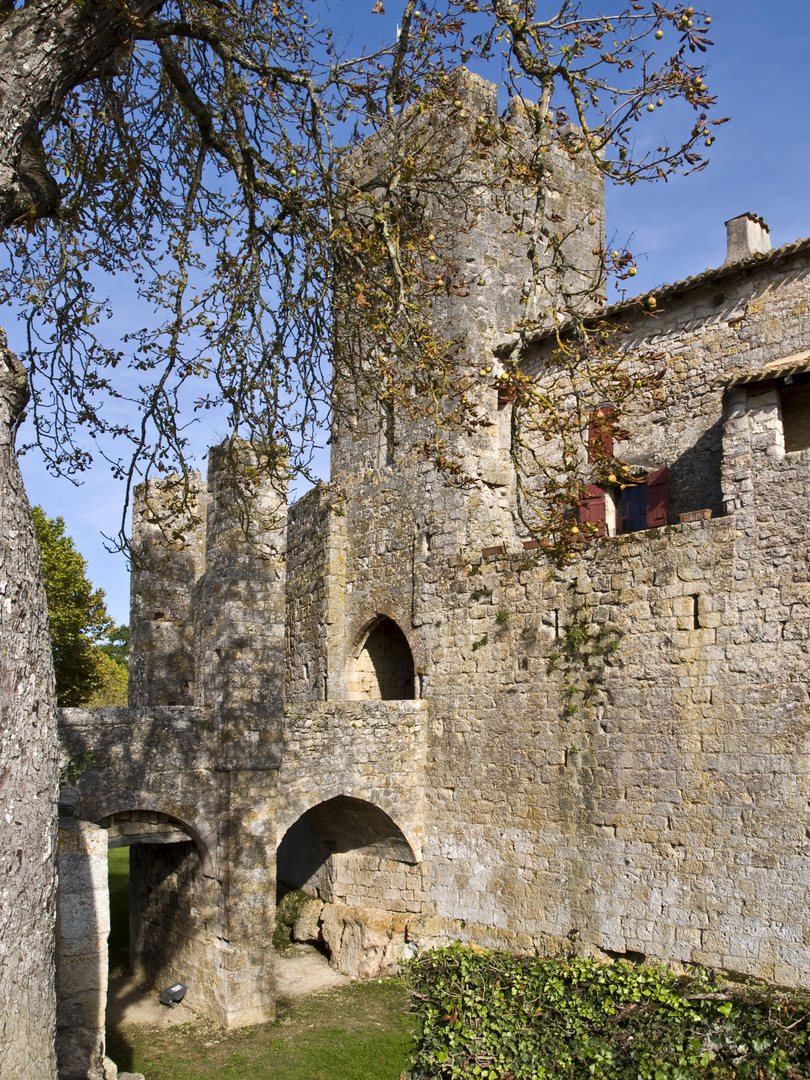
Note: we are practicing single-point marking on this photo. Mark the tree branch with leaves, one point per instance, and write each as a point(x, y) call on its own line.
point(207, 151)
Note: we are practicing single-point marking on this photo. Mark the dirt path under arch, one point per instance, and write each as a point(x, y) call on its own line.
point(299, 970)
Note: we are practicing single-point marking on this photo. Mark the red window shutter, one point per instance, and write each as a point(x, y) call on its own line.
point(592, 507)
point(657, 498)
point(600, 440)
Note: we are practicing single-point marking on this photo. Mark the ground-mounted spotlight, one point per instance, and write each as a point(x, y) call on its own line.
point(172, 994)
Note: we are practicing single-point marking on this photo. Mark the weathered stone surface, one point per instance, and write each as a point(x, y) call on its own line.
point(307, 925)
point(194, 786)
point(82, 925)
point(363, 942)
point(525, 792)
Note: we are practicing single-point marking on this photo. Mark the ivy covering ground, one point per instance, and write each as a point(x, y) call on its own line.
point(505, 1017)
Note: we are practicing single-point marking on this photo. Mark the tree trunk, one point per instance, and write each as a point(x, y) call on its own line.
point(28, 770)
point(47, 47)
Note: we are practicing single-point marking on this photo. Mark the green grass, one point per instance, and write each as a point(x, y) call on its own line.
point(360, 1032)
point(118, 869)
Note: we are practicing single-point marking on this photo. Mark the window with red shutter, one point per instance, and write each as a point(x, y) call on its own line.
point(657, 498)
point(592, 507)
point(600, 440)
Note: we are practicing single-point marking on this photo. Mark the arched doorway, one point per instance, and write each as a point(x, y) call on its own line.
point(383, 669)
point(356, 864)
point(170, 905)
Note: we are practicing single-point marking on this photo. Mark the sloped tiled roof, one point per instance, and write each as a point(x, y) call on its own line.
point(796, 364)
point(707, 277)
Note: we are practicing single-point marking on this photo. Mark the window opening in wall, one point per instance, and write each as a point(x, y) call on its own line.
point(795, 402)
point(632, 509)
point(384, 668)
point(616, 510)
point(695, 611)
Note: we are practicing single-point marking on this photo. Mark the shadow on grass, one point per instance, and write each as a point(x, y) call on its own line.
point(359, 1032)
point(118, 1048)
point(363, 1031)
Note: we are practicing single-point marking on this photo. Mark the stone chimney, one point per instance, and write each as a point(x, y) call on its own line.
point(746, 235)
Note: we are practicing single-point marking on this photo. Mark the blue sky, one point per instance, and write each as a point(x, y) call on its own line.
point(760, 71)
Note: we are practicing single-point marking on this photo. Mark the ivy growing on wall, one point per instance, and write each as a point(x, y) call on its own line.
point(504, 1017)
point(581, 657)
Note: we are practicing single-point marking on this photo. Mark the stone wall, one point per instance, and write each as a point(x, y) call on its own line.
point(310, 580)
point(612, 755)
point(665, 815)
point(646, 800)
point(82, 926)
point(373, 752)
point(168, 559)
point(171, 763)
point(485, 234)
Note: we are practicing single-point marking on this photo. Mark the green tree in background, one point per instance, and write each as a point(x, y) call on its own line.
point(117, 646)
point(89, 651)
point(112, 657)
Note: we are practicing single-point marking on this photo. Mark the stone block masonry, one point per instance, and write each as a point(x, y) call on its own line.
point(665, 812)
point(388, 696)
point(82, 925)
point(648, 800)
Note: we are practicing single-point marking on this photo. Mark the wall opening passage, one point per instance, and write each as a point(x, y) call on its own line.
point(362, 878)
point(348, 851)
point(795, 403)
point(383, 670)
point(161, 904)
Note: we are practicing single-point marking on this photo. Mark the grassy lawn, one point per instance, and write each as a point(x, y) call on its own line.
point(118, 864)
point(358, 1032)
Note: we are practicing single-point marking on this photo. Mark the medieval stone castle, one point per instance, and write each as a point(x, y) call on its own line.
point(404, 709)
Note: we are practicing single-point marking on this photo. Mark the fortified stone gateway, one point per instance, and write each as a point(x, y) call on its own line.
point(378, 710)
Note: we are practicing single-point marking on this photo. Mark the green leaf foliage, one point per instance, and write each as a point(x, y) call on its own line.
point(113, 685)
point(504, 1017)
point(78, 618)
point(117, 646)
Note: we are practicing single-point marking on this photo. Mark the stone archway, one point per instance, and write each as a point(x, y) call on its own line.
point(363, 878)
point(173, 901)
point(382, 668)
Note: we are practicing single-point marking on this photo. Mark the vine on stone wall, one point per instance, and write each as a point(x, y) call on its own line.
point(581, 658)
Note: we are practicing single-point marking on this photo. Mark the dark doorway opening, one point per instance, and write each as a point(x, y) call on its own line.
point(384, 669)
